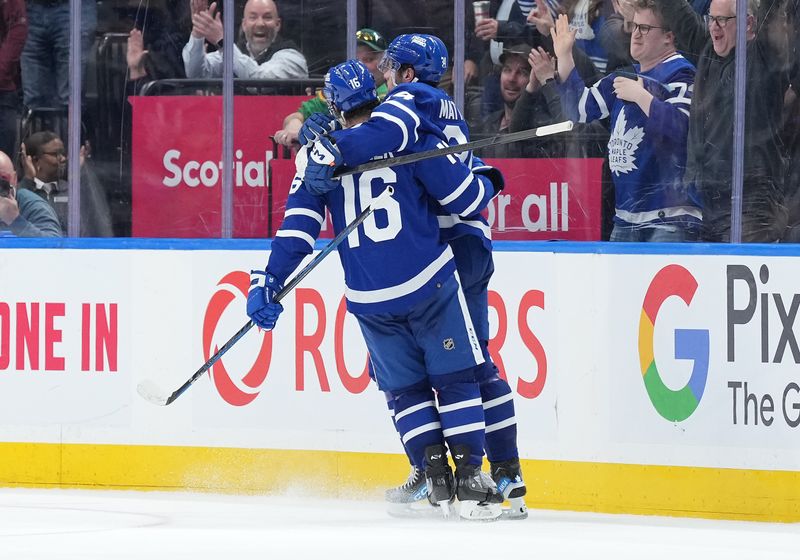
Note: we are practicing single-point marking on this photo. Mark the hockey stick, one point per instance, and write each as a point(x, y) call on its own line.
point(152, 393)
point(495, 140)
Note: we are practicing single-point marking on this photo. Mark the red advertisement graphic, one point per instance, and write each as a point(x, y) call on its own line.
point(177, 176)
point(227, 287)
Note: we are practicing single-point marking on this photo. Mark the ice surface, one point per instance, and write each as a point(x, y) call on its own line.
point(90, 524)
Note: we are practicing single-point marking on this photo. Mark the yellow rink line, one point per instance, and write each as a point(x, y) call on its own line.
point(562, 485)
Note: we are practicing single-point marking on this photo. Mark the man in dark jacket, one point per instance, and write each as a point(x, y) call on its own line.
point(710, 145)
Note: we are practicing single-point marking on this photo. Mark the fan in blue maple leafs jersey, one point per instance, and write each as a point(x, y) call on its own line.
point(649, 114)
point(401, 286)
point(413, 65)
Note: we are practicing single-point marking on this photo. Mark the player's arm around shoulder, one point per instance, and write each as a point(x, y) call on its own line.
point(457, 188)
point(393, 127)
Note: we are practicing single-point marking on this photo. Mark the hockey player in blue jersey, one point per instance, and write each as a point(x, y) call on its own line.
point(402, 288)
point(413, 65)
point(649, 127)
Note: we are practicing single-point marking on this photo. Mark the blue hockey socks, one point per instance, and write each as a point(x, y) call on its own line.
point(417, 421)
point(501, 422)
point(461, 414)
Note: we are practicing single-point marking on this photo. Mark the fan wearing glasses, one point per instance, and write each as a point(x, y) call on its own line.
point(44, 162)
point(649, 112)
point(710, 145)
point(22, 213)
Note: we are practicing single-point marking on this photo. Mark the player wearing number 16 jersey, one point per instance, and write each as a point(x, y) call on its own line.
point(401, 286)
point(413, 65)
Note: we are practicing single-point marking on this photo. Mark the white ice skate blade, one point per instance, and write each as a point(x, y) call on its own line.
point(446, 509)
point(421, 509)
point(515, 513)
point(471, 510)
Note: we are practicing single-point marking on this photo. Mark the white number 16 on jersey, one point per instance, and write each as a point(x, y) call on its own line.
point(394, 221)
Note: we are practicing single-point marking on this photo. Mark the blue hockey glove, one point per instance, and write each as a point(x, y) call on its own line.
point(316, 126)
point(261, 305)
point(323, 160)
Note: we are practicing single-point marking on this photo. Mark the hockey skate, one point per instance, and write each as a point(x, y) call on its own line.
point(508, 477)
point(439, 479)
point(477, 493)
point(410, 499)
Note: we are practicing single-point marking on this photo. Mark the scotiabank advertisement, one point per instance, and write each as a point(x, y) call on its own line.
point(177, 176)
point(177, 173)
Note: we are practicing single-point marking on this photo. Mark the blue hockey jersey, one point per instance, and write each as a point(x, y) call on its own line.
point(396, 258)
point(396, 124)
point(646, 154)
point(409, 110)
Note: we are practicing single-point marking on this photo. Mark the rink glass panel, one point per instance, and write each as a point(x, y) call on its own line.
point(319, 29)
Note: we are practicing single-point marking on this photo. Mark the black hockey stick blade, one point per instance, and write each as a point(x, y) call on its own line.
point(149, 391)
point(495, 140)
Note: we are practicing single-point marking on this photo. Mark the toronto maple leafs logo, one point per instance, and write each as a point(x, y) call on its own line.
point(623, 145)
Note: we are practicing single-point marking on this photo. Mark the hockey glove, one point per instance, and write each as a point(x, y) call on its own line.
point(317, 126)
point(261, 305)
point(493, 174)
point(323, 159)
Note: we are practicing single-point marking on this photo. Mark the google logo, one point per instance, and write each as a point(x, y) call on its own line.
point(690, 344)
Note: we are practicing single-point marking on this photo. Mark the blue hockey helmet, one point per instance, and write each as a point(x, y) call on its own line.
point(348, 86)
point(425, 53)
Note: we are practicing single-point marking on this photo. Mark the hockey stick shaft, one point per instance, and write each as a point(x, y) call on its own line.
point(495, 140)
point(335, 242)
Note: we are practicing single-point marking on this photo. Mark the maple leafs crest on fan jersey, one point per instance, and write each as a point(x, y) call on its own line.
point(647, 154)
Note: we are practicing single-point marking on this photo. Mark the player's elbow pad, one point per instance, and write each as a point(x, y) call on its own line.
point(494, 175)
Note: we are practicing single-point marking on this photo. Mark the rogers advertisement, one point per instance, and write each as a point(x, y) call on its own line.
point(177, 177)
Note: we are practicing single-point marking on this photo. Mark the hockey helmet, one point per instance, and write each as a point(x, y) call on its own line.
point(348, 86)
point(427, 54)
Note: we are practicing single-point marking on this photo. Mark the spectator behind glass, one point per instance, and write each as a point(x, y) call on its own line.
point(514, 77)
point(588, 17)
point(505, 26)
point(44, 161)
point(369, 49)
point(260, 54)
point(539, 105)
point(791, 122)
point(45, 58)
point(710, 148)
point(155, 44)
point(506, 23)
point(649, 121)
point(22, 213)
point(13, 30)
point(615, 36)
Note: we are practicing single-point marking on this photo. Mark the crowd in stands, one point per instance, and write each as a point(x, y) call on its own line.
point(649, 84)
